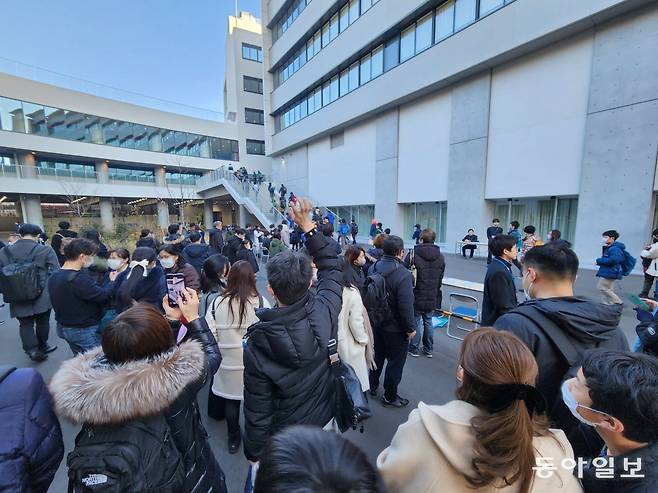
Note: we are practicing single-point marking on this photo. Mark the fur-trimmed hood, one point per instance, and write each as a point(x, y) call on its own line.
point(88, 389)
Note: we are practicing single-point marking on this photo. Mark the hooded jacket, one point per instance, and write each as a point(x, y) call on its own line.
point(150, 289)
point(89, 390)
point(399, 285)
point(287, 377)
point(430, 266)
point(31, 448)
point(575, 325)
point(433, 452)
point(610, 262)
point(196, 254)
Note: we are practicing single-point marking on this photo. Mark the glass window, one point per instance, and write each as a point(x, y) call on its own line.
point(111, 133)
point(35, 119)
point(377, 61)
point(344, 20)
point(304, 108)
point(407, 43)
point(193, 145)
point(354, 10)
point(155, 138)
point(365, 5)
point(298, 112)
point(126, 138)
point(365, 69)
point(140, 136)
point(255, 147)
point(487, 6)
point(353, 76)
point(464, 12)
point(344, 83)
point(391, 53)
point(333, 89)
point(253, 84)
point(317, 42)
point(318, 98)
point(325, 34)
point(251, 52)
point(310, 102)
point(223, 149)
point(254, 116)
point(286, 119)
point(295, 65)
point(444, 21)
point(424, 33)
point(326, 99)
point(180, 141)
point(203, 146)
point(309, 49)
point(333, 27)
point(11, 115)
point(168, 141)
point(302, 57)
point(56, 122)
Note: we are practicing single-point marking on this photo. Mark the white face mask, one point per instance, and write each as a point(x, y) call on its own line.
point(114, 263)
point(89, 262)
point(573, 405)
point(167, 263)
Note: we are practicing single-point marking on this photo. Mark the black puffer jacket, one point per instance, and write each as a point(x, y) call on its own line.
point(196, 254)
point(399, 285)
point(88, 390)
point(231, 248)
point(287, 378)
point(430, 266)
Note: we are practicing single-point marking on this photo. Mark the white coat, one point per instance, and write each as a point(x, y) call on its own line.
point(652, 253)
point(352, 335)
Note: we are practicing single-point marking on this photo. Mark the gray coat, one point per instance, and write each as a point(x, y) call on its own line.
point(46, 259)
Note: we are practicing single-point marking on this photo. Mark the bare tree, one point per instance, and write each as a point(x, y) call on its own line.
point(74, 197)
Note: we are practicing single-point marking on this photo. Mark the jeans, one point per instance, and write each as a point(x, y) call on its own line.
point(607, 288)
point(80, 339)
point(30, 338)
point(425, 330)
point(392, 347)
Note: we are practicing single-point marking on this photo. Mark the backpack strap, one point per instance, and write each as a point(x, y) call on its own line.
point(562, 342)
point(5, 370)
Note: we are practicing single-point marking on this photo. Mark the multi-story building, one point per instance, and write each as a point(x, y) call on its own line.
point(450, 113)
point(67, 153)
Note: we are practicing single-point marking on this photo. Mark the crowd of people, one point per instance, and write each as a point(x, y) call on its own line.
point(549, 398)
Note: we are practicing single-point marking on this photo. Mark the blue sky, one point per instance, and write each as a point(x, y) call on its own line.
point(170, 49)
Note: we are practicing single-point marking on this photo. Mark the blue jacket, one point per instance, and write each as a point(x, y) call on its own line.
point(31, 448)
point(610, 262)
point(519, 238)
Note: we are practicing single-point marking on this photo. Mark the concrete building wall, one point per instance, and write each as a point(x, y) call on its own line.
point(332, 171)
point(291, 169)
point(424, 149)
point(619, 161)
point(537, 122)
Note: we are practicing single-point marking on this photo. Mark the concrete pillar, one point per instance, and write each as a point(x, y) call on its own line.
point(619, 155)
point(31, 205)
point(242, 216)
point(28, 165)
point(207, 213)
point(387, 209)
point(163, 215)
point(160, 179)
point(107, 218)
point(467, 168)
point(102, 170)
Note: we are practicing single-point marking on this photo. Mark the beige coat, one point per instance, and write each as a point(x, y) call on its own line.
point(352, 335)
point(228, 381)
point(432, 452)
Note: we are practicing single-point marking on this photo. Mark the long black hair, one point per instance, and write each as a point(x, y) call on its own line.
point(214, 268)
point(125, 292)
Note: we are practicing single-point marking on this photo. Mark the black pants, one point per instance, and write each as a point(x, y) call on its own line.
point(30, 338)
point(353, 239)
point(489, 255)
point(392, 347)
point(472, 248)
point(220, 408)
point(648, 282)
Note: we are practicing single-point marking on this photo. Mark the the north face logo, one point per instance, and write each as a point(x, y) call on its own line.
point(94, 479)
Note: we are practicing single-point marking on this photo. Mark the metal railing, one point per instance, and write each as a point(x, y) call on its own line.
point(37, 172)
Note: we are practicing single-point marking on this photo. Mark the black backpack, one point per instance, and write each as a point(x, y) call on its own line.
point(376, 298)
point(138, 456)
point(19, 279)
point(354, 229)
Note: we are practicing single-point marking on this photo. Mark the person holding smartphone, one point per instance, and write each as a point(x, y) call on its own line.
point(173, 262)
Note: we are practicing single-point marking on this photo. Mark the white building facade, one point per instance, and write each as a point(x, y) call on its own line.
point(451, 113)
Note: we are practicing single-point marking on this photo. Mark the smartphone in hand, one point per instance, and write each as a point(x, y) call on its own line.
point(175, 288)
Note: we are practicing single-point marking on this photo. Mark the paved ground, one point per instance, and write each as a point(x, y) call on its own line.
point(429, 380)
